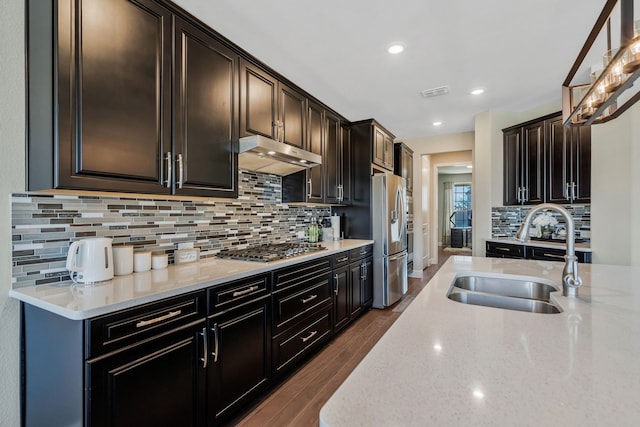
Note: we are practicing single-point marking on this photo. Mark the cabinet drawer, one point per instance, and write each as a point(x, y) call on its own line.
point(505, 250)
point(550, 254)
point(360, 253)
point(114, 331)
point(238, 292)
point(290, 307)
point(292, 346)
point(299, 273)
point(340, 259)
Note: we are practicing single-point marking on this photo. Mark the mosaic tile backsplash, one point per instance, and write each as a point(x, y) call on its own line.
point(43, 225)
point(506, 220)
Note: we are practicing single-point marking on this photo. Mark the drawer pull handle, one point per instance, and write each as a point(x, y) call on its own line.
point(363, 252)
point(343, 259)
point(169, 315)
point(553, 256)
point(245, 292)
point(502, 249)
point(311, 298)
point(311, 335)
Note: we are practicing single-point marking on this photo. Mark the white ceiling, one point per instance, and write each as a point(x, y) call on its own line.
point(520, 51)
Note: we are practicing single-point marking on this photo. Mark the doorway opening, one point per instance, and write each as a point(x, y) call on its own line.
point(455, 208)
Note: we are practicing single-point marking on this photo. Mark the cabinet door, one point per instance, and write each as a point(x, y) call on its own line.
point(258, 101)
point(292, 115)
point(114, 84)
point(533, 161)
point(558, 151)
point(581, 164)
point(347, 167)
point(388, 152)
point(315, 144)
point(239, 359)
point(512, 167)
point(356, 272)
point(341, 300)
point(332, 161)
point(158, 383)
point(379, 147)
point(205, 110)
point(367, 282)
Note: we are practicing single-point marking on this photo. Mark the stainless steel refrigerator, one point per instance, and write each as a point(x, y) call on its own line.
point(389, 221)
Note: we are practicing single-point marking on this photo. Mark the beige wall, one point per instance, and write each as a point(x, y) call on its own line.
point(12, 171)
point(615, 190)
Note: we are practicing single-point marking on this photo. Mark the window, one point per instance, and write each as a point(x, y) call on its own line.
point(462, 204)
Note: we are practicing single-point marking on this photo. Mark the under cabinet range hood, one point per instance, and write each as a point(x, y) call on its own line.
point(261, 154)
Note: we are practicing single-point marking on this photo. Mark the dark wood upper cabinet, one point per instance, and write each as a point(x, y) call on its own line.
point(110, 96)
point(524, 164)
point(271, 108)
point(382, 148)
point(316, 144)
point(205, 114)
point(103, 120)
point(569, 163)
point(403, 164)
point(546, 162)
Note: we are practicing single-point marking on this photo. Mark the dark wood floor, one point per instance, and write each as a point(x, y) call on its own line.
point(298, 399)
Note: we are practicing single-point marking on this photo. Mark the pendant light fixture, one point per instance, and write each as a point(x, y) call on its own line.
point(597, 101)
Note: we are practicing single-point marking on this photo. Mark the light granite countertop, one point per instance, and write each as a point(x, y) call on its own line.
point(78, 302)
point(443, 363)
point(584, 247)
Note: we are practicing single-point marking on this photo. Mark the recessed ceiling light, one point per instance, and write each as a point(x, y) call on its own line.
point(469, 166)
point(477, 92)
point(396, 48)
point(437, 123)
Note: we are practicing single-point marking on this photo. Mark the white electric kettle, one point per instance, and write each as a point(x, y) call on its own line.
point(90, 260)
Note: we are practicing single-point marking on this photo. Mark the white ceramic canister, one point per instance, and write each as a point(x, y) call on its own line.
point(122, 260)
point(160, 261)
point(141, 261)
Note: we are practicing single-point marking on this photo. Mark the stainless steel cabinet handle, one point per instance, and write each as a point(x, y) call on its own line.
point(167, 316)
point(566, 191)
point(245, 291)
point(525, 197)
point(554, 256)
point(169, 161)
point(311, 298)
point(362, 273)
point(335, 278)
point(308, 337)
point(214, 353)
point(343, 259)
point(573, 191)
point(310, 188)
point(205, 358)
point(340, 193)
point(180, 171)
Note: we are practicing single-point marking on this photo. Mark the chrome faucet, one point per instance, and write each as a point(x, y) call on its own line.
point(571, 281)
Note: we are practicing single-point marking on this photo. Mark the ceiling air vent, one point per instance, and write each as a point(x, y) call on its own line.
point(436, 91)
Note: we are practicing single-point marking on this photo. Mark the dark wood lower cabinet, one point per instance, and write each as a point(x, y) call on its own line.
point(239, 358)
point(341, 299)
point(191, 360)
point(160, 383)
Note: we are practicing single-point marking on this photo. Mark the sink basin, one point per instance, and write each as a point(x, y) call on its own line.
point(505, 293)
point(509, 287)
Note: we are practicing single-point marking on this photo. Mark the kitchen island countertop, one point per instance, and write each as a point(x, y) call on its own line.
point(78, 302)
point(444, 363)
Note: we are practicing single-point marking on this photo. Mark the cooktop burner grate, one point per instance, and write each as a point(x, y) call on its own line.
point(270, 251)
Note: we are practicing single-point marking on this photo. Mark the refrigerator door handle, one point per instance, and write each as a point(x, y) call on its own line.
point(397, 256)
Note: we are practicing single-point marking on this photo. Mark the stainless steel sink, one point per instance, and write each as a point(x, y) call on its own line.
point(509, 287)
point(504, 292)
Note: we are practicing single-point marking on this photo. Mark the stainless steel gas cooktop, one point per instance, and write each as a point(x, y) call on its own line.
point(270, 252)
